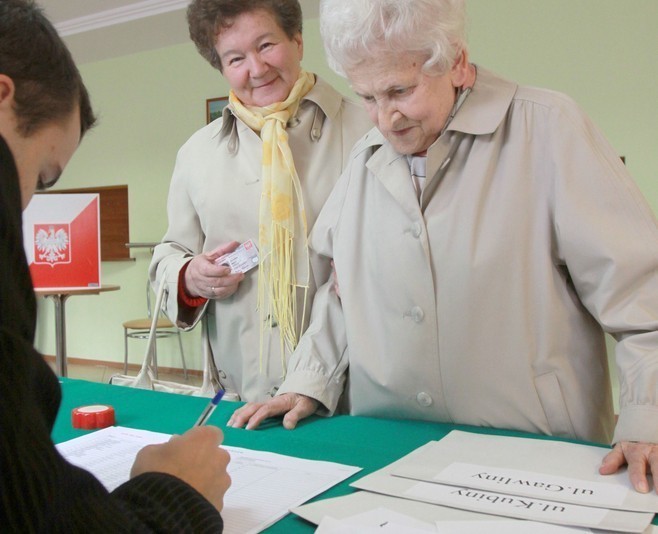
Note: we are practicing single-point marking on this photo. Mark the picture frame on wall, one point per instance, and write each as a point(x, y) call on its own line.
point(214, 107)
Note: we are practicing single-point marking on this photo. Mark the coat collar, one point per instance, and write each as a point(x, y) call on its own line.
point(322, 94)
point(481, 114)
point(486, 106)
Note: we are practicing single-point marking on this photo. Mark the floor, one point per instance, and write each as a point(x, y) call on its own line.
point(102, 373)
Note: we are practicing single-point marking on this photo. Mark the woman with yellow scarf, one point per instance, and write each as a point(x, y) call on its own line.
point(260, 172)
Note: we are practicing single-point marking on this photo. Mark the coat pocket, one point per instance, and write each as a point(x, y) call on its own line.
point(554, 405)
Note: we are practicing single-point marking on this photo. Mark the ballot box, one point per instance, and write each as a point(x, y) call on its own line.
point(61, 234)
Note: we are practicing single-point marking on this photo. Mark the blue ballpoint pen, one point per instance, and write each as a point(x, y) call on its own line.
point(208, 410)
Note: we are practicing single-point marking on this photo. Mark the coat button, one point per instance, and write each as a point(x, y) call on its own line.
point(424, 399)
point(416, 230)
point(417, 314)
point(273, 391)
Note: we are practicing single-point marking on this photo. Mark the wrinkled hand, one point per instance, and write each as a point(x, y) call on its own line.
point(642, 458)
point(195, 457)
point(204, 278)
point(295, 407)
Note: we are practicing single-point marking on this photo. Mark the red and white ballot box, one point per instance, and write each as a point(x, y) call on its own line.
point(61, 234)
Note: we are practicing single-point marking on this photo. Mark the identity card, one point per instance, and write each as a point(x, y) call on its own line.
point(242, 259)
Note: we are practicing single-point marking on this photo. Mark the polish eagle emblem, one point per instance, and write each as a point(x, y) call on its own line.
point(51, 244)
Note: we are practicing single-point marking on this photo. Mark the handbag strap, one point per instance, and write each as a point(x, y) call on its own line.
point(211, 383)
point(147, 365)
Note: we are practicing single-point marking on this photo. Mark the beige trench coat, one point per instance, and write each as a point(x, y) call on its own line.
point(214, 198)
point(487, 306)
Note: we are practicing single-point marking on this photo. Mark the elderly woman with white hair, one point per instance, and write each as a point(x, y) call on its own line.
point(485, 235)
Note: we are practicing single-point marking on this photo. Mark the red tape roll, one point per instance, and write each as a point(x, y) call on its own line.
point(91, 417)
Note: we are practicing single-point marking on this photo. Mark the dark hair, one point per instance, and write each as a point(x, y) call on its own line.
point(206, 18)
point(47, 83)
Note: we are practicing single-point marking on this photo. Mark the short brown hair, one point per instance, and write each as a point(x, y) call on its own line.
point(47, 81)
point(206, 18)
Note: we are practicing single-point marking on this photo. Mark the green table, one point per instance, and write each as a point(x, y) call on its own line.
point(360, 441)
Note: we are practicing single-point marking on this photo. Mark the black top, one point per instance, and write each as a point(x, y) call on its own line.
point(39, 490)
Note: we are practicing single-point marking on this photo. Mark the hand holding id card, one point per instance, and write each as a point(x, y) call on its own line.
point(242, 259)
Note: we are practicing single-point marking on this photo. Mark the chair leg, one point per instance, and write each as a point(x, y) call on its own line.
point(125, 351)
point(182, 354)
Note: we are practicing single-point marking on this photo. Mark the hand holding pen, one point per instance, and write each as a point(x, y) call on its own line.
point(195, 457)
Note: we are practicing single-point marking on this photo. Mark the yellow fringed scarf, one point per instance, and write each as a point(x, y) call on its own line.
point(277, 283)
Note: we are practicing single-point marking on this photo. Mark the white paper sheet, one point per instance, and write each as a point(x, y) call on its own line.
point(382, 481)
point(349, 509)
point(509, 505)
point(384, 521)
point(265, 485)
point(544, 469)
point(504, 527)
point(531, 484)
point(377, 521)
point(364, 501)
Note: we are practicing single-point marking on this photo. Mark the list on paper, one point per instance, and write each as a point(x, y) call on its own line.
point(264, 485)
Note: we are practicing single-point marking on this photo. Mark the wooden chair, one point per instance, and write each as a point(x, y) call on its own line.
point(139, 329)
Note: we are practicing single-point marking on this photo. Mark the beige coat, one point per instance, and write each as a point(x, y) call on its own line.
point(214, 198)
point(488, 307)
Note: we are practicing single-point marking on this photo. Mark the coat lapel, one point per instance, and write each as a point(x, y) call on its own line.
point(392, 170)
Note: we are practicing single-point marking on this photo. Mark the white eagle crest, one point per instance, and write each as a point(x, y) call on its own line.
point(51, 244)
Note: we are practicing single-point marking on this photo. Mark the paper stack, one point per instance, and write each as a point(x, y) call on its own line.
point(466, 480)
